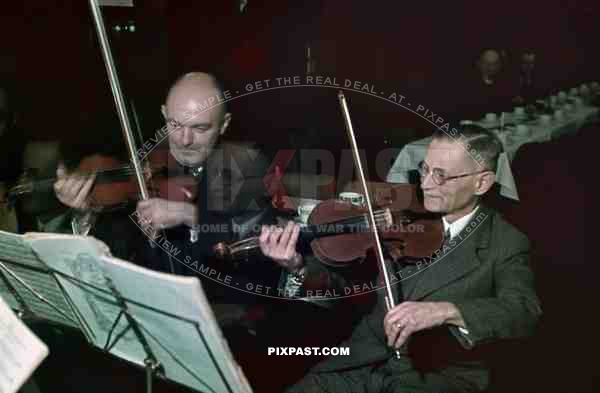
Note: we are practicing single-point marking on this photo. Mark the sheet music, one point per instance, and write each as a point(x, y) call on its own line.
point(77, 259)
point(177, 344)
point(21, 352)
point(17, 255)
point(45, 286)
point(8, 296)
point(16, 249)
point(182, 297)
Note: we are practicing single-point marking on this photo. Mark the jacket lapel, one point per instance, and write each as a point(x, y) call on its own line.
point(456, 260)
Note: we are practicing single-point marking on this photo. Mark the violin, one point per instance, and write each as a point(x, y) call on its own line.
point(338, 231)
point(115, 183)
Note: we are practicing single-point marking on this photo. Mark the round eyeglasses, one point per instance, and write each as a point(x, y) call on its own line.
point(438, 175)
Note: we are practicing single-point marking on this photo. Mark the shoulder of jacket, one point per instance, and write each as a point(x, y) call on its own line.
point(502, 229)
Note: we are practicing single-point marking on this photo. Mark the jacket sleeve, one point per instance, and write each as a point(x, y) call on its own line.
point(514, 309)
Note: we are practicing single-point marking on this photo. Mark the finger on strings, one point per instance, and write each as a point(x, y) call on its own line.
point(285, 234)
point(87, 186)
point(81, 196)
point(264, 234)
point(295, 233)
point(275, 234)
point(292, 240)
point(74, 186)
point(81, 203)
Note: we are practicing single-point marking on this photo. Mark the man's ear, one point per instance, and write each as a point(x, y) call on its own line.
point(485, 182)
point(163, 110)
point(225, 124)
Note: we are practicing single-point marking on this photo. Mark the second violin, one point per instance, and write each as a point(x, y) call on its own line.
point(338, 232)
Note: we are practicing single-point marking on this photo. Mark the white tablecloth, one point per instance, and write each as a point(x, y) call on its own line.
point(414, 152)
point(537, 132)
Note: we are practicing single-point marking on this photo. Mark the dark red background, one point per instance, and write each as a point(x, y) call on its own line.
point(406, 47)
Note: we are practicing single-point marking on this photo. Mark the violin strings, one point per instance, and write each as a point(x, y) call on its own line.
point(248, 243)
point(379, 219)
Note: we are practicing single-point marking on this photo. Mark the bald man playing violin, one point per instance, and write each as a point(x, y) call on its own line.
point(478, 288)
point(194, 132)
point(190, 143)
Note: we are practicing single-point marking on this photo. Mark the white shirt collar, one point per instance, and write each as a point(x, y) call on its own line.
point(459, 224)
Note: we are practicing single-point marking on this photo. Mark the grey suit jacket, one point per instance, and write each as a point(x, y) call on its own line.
point(484, 271)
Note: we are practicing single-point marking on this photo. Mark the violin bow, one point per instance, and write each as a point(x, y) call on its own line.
point(389, 297)
point(115, 87)
point(118, 96)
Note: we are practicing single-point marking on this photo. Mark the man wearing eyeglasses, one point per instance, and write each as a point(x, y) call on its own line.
point(478, 288)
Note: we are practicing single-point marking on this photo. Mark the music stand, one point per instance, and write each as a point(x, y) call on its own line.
point(159, 322)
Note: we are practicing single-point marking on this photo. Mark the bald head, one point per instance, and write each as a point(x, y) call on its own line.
point(489, 64)
point(490, 55)
point(196, 87)
point(196, 117)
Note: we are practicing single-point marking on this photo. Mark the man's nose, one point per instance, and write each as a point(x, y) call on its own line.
point(187, 137)
point(427, 182)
